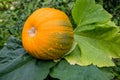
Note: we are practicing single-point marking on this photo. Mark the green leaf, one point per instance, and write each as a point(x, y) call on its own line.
point(93, 51)
point(97, 37)
point(65, 71)
point(97, 46)
point(74, 57)
point(87, 12)
point(16, 64)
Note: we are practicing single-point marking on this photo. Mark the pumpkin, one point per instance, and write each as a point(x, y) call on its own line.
point(47, 34)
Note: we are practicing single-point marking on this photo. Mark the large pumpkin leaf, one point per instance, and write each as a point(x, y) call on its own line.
point(16, 64)
point(87, 12)
point(97, 37)
point(65, 71)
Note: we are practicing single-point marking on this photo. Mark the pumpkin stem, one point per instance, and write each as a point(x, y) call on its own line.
point(32, 32)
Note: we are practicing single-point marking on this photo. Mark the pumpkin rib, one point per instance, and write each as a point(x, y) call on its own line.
point(31, 51)
point(45, 52)
point(51, 14)
point(55, 29)
point(57, 22)
point(48, 55)
point(38, 55)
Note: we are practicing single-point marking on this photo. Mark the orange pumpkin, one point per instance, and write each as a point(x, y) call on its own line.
point(47, 34)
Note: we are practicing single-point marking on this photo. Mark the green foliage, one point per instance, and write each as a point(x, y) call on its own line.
point(98, 38)
point(16, 64)
point(75, 72)
point(113, 7)
point(87, 12)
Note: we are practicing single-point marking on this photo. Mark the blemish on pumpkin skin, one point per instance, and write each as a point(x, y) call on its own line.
point(32, 32)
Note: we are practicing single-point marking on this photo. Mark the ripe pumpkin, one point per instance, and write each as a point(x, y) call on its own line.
point(47, 34)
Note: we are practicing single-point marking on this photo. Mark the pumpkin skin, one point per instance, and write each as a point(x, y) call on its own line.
point(47, 34)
